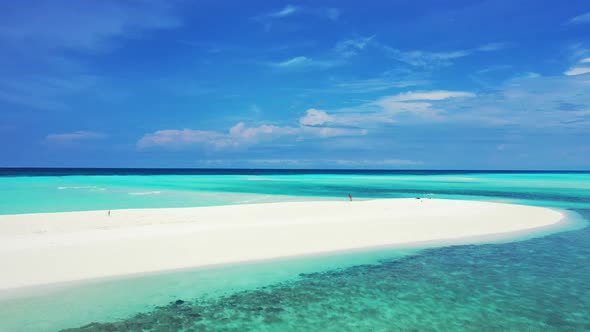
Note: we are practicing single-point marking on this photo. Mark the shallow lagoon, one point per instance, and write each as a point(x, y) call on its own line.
point(537, 284)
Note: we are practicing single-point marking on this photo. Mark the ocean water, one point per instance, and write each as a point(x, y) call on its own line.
point(29, 191)
point(536, 284)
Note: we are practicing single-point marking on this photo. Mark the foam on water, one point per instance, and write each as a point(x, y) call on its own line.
point(155, 192)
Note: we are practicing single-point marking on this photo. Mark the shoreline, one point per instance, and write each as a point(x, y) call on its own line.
point(54, 248)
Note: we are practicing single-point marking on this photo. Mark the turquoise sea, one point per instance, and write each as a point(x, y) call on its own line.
point(536, 284)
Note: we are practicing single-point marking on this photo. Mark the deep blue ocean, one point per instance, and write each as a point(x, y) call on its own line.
point(536, 284)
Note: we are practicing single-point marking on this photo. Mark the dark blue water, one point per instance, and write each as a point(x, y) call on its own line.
point(24, 171)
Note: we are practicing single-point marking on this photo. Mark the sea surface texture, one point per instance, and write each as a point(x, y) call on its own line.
point(537, 284)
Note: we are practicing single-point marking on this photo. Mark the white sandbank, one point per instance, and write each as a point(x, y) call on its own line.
point(39, 249)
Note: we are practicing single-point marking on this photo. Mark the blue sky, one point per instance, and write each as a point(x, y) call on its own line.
point(332, 84)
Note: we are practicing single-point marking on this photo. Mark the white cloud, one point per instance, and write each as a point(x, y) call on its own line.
point(302, 63)
point(535, 102)
point(309, 163)
point(237, 136)
point(384, 110)
point(294, 62)
point(379, 162)
point(425, 58)
point(428, 95)
point(377, 84)
point(391, 108)
point(417, 103)
point(343, 49)
point(178, 138)
point(361, 116)
point(577, 71)
point(351, 47)
point(287, 11)
point(420, 58)
point(268, 18)
point(275, 161)
point(528, 101)
point(333, 132)
point(240, 132)
point(75, 136)
point(314, 117)
point(580, 19)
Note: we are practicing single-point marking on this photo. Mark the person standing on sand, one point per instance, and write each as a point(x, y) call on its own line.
point(350, 197)
point(109, 213)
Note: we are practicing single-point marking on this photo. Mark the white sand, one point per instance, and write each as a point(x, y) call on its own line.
point(37, 249)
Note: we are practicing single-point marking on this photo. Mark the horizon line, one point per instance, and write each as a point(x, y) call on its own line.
point(292, 169)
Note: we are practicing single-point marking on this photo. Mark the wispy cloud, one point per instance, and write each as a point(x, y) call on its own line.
point(336, 57)
point(417, 104)
point(343, 52)
point(352, 46)
point(311, 163)
point(314, 117)
point(173, 138)
point(529, 102)
point(298, 61)
point(74, 137)
point(286, 16)
point(241, 135)
point(287, 11)
point(428, 95)
point(582, 67)
point(325, 132)
point(421, 58)
point(390, 79)
point(377, 84)
point(383, 110)
point(303, 62)
point(526, 101)
point(577, 71)
point(269, 19)
point(377, 162)
point(580, 19)
point(578, 51)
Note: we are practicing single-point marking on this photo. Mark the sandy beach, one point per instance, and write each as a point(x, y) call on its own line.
point(40, 249)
